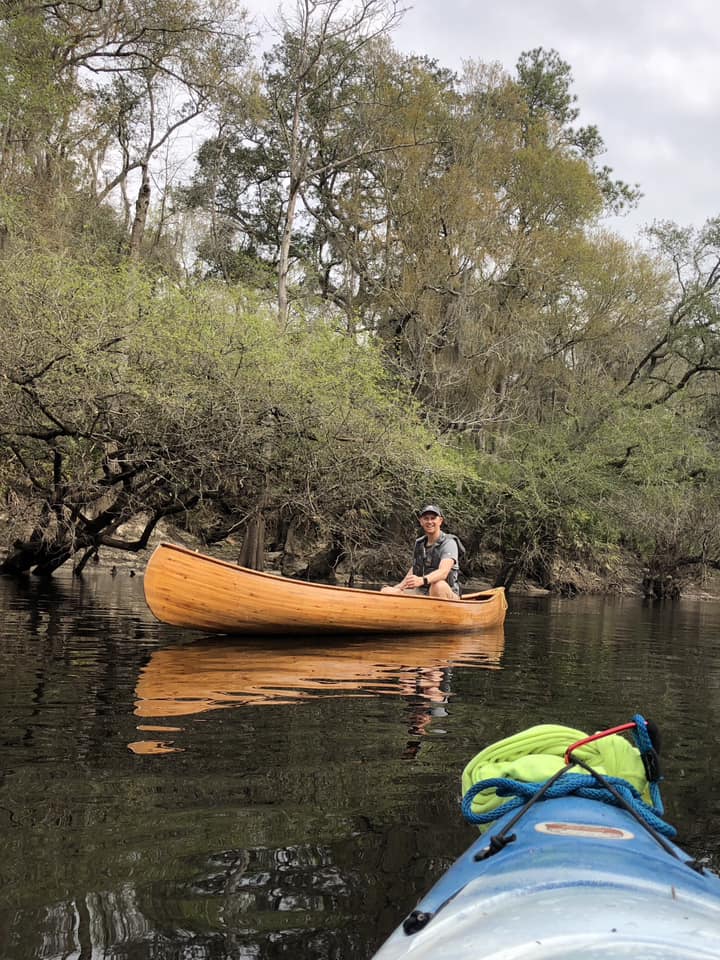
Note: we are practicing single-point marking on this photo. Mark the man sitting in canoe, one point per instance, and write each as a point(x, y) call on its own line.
point(434, 572)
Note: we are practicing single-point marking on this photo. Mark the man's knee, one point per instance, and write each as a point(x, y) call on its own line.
point(442, 591)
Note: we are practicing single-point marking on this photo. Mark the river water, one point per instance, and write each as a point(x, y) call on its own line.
point(167, 795)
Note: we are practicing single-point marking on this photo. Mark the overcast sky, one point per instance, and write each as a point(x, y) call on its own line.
point(646, 72)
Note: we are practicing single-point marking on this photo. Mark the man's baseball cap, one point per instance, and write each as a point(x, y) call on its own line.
point(431, 508)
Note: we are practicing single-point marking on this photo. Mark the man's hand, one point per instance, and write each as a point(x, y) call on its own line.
point(411, 582)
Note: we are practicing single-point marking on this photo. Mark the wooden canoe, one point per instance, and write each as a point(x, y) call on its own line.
point(188, 589)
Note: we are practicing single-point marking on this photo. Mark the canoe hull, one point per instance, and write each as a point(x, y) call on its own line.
point(188, 589)
point(581, 880)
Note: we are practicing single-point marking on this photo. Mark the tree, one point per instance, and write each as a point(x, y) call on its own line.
point(683, 350)
point(545, 80)
point(125, 77)
point(263, 177)
point(485, 233)
point(88, 446)
point(308, 66)
point(123, 399)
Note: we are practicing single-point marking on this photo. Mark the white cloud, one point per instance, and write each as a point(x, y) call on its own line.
point(656, 150)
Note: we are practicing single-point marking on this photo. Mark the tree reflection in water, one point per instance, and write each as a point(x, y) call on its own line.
point(304, 901)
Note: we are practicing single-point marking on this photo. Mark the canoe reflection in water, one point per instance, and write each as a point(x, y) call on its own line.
point(213, 674)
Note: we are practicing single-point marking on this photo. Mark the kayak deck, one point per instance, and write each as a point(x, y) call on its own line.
point(580, 879)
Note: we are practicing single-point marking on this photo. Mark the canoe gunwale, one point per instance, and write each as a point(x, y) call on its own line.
point(480, 595)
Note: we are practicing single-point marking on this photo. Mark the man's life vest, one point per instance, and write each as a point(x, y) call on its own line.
point(426, 559)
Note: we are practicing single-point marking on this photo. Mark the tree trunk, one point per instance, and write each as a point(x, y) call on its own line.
point(507, 573)
point(284, 258)
point(141, 211)
point(252, 554)
point(322, 565)
point(41, 556)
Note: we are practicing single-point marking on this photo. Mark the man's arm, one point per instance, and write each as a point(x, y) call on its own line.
point(442, 573)
point(443, 570)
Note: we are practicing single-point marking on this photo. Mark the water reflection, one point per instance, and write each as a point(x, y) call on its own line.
point(214, 674)
point(211, 674)
point(247, 904)
point(92, 925)
point(312, 794)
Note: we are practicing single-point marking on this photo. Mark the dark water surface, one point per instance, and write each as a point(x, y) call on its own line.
point(166, 795)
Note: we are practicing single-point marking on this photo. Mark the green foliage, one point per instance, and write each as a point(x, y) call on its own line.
point(451, 323)
point(545, 82)
point(610, 477)
point(194, 395)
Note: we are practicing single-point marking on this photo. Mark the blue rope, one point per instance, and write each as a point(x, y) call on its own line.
point(578, 784)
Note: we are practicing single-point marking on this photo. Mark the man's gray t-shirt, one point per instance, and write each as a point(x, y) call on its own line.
point(427, 558)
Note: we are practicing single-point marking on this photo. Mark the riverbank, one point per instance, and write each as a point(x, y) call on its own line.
point(626, 577)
